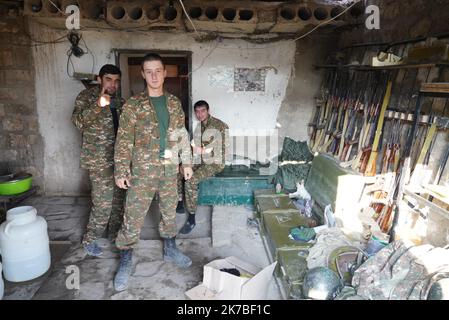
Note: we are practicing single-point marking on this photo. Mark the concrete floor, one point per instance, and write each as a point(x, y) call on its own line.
point(151, 278)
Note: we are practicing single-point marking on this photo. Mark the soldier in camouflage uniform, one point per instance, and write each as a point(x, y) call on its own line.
point(96, 115)
point(210, 145)
point(150, 138)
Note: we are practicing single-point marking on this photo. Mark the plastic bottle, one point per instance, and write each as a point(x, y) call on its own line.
point(24, 245)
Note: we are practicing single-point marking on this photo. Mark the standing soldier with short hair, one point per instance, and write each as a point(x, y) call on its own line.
point(96, 115)
point(150, 137)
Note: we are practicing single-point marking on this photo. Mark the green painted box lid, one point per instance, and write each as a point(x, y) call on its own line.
point(279, 203)
point(264, 192)
point(277, 230)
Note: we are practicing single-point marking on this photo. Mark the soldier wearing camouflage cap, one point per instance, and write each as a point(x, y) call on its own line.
point(96, 115)
point(150, 139)
point(210, 146)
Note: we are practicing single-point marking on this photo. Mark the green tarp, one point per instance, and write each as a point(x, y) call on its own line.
point(290, 173)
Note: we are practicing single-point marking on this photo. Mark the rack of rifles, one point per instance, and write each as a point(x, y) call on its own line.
point(364, 117)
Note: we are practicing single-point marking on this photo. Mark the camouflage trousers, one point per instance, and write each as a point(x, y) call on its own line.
point(107, 205)
point(138, 200)
point(191, 186)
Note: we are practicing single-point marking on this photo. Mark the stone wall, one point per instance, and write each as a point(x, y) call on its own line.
point(21, 144)
point(299, 103)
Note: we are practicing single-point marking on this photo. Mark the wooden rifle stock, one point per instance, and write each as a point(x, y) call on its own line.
point(371, 167)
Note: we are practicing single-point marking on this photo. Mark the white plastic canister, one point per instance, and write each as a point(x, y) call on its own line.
point(24, 245)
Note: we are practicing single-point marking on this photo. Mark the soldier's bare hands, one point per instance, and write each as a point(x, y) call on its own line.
point(104, 99)
point(123, 183)
point(188, 173)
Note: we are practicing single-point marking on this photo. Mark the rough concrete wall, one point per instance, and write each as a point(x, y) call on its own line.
point(21, 144)
point(56, 92)
point(299, 102)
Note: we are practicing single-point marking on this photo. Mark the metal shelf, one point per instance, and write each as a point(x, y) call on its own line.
point(371, 68)
point(440, 89)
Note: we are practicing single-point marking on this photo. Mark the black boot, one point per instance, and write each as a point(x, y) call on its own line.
point(172, 254)
point(189, 225)
point(124, 270)
point(180, 207)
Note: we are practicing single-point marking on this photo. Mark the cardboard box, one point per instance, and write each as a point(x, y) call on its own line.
point(220, 285)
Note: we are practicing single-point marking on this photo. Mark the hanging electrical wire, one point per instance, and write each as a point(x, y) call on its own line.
point(74, 39)
point(54, 5)
point(91, 53)
point(205, 58)
point(75, 50)
point(188, 17)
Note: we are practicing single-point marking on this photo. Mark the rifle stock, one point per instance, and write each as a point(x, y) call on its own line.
point(371, 167)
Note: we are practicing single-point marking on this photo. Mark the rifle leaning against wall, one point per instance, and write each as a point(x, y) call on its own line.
point(371, 166)
point(324, 116)
point(351, 132)
point(318, 118)
point(348, 107)
point(333, 133)
point(370, 119)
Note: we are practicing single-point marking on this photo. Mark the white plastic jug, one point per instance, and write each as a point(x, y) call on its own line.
point(24, 245)
point(2, 286)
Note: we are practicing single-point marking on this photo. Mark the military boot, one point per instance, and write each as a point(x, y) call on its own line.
point(124, 270)
point(180, 207)
point(92, 249)
point(189, 225)
point(172, 254)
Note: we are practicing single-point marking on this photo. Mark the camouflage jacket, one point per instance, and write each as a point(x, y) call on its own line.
point(206, 135)
point(97, 128)
point(137, 147)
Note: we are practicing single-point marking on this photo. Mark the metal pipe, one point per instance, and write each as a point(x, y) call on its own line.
point(135, 13)
point(195, 12)
point(304, 13)
point(287, 13)
point(229, 13)
point(320, 13)
point(246, 15)
point(211, 13)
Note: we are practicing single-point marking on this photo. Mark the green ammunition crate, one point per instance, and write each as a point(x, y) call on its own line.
point(291, 269)
point(267, 201)
point(277, 229)
point(265, 192)
point(323, 182)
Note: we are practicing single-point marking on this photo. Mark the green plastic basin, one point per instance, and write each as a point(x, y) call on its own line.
point(16, 185)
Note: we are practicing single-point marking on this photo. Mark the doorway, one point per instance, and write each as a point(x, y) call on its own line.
point(178, 81)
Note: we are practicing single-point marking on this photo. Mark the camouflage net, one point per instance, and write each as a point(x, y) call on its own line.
point(402, 271)
point(295, 163)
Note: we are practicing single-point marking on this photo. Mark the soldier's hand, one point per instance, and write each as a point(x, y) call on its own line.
point(104, 99)
point(123, 183)
point(188, 173)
